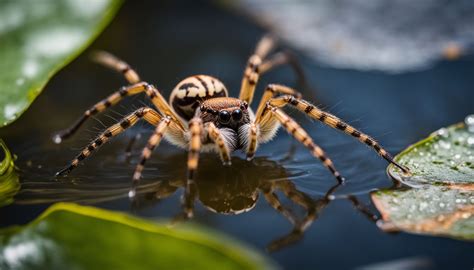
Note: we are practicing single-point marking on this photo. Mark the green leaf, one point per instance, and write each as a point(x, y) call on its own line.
point(69, 236)
point(9, 181)
point(442, 174)
point(435, 210)
point(446, 157)
point(38, 38)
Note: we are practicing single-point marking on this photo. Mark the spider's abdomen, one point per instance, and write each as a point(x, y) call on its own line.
point(187, 95)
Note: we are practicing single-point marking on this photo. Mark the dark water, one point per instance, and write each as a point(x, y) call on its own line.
point(167, 42)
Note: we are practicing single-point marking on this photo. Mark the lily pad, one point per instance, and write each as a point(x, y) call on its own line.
point(434, 210)
point(446, 157)
point(38, 38)
point(9, 181)
point(442, 200)
point(69, 236)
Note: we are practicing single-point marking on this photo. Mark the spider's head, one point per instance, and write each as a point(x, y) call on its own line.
point(225, 112)
point(231, 116)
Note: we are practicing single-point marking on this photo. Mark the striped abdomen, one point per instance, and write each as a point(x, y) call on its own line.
point(187, 95)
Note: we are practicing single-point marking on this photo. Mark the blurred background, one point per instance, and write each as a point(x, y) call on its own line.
point(397, 80)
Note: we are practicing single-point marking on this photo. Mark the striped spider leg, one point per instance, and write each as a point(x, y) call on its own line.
point(259, 63)
point(271, 110)
point(165, 119)
point(256, 66)
point(148, 114)
point(136, 87)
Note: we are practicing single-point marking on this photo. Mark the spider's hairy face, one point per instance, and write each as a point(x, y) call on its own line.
point(230, 115)
point(225, 112)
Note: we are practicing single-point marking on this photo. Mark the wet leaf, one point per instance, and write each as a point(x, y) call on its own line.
point(69, 236)
point(441, 201)
point(446, 157)
point(38, 38)
point(9, 181)
point(435, 210)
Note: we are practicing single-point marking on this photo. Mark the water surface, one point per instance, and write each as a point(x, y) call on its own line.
point(167, 42)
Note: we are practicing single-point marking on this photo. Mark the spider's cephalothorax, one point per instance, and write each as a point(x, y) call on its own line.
point(200, 115)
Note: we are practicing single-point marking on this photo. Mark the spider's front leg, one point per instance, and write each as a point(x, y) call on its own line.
point(270, 91)
point(302, 136)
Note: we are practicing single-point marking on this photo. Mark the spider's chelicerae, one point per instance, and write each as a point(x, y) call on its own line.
point(200, 116)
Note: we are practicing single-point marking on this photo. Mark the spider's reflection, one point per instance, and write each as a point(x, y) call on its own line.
point(236, 189)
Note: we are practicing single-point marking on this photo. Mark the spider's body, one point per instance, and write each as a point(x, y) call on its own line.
point(200, 116)
point(206, 97)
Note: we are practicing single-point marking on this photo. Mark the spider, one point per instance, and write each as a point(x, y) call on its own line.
point(200, 115)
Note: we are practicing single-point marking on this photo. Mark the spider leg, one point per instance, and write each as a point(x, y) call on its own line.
point(153, 142)
point(334, 122)
point(258, 64)
point(283, 58)
point(153, 93)
point(300, 135)
point(146, 113)
point(195, 142)
point(216, 136)
point(270, 91)
point(112, 62)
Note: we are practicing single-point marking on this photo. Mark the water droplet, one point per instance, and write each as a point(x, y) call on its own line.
point(470, 141)
point(423, 205)
point(443, 132)
point(469, 121)
point(20, 81)
point(57, 139)
point(445, 145)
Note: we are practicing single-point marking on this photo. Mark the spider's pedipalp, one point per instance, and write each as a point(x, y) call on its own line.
point(150, 115)
point(252, 141)
point(334, 122)
point(300, 134)
point(218, 139)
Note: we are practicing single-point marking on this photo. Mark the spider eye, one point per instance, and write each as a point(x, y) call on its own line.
point(237, 115)
point(224, 116)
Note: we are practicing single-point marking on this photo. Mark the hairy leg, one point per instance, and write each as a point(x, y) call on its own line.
point(150, 115)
